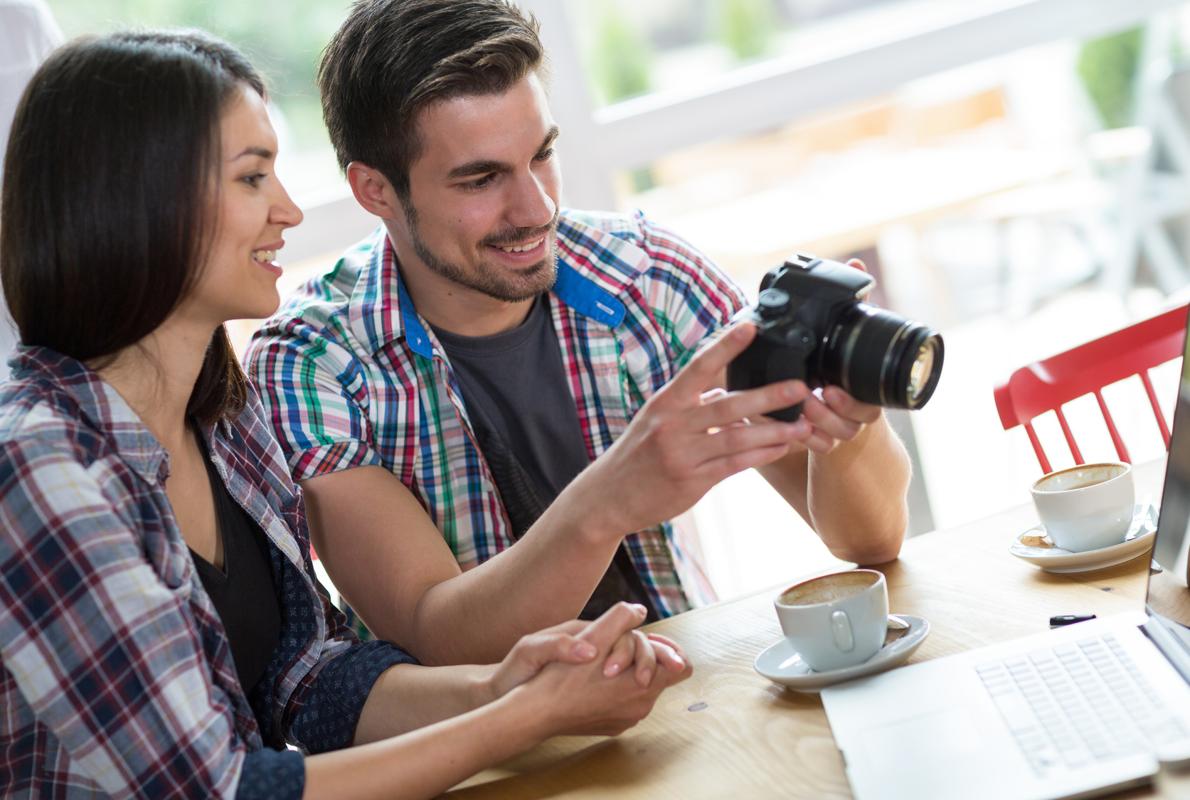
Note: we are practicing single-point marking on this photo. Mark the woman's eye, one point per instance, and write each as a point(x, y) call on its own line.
point(254, 179)
point(545, 155)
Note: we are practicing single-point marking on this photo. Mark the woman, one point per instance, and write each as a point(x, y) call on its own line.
point(160, 631)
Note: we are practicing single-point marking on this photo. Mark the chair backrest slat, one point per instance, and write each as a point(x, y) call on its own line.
point(1144, 378)
point(1074, 451)
point(1121, 450)
point(1045, 462)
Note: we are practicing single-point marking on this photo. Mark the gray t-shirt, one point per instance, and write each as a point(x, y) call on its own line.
point(515, 390)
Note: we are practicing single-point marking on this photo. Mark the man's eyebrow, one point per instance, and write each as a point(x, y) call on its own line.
point(263, 152)
point(485, 165)
point(477, 167)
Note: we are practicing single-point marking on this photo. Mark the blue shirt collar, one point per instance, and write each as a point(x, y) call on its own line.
point(594, 268)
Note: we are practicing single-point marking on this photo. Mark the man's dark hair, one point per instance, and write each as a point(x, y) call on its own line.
point(110, 196)
point(392, 58)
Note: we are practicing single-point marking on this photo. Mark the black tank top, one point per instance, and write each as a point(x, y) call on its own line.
point(242, 592)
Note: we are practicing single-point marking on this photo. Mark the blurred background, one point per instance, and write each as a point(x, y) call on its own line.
point(1014, 172)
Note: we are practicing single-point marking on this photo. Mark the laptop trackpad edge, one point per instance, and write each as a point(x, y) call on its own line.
point(936, 753)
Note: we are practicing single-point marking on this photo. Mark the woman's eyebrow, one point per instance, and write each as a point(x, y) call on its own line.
point(263, 152)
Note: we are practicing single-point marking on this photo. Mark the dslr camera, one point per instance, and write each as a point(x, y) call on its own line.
point(812, 325)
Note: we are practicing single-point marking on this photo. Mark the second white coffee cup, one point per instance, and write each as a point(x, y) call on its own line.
point(835, 620)
point(1087, 506)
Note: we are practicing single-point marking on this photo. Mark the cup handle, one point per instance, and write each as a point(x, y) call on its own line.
point(841, 630)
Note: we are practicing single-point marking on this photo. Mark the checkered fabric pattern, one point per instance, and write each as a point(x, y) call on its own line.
point(116, 678)
point(351, 375)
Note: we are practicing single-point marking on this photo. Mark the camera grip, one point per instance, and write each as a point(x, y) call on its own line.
point(763, 363)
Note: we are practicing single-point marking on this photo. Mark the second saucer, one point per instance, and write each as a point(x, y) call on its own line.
point(1045, 555)
point(781, 664)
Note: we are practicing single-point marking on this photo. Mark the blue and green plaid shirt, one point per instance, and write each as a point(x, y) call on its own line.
point(351, 375)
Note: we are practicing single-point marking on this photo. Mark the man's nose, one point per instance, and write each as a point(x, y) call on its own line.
point(532, 204)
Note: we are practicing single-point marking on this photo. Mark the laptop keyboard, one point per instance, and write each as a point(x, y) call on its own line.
point(1076, 702)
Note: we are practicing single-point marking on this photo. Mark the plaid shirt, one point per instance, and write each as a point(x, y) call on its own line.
point(351, 375)
point(116, 677)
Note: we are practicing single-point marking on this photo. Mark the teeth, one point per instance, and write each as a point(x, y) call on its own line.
point(522, 248)
point(264, 256)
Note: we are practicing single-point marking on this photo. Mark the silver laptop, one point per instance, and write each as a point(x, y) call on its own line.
point(1072, 712)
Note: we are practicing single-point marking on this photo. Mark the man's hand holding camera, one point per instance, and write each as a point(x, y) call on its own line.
point(834, 417)
point(687, 438)
point(786, 365)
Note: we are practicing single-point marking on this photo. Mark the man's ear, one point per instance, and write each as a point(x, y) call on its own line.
point(372, 190)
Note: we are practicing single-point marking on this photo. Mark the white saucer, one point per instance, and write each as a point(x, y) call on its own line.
point(1055, 559)
point(781, 664)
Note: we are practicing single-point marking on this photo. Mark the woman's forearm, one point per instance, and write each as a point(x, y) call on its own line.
point(428, 761)
point(407, 697)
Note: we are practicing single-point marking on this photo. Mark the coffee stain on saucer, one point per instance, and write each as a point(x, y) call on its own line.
point(1036, 539)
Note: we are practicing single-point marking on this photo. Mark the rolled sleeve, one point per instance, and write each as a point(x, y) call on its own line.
point(272, 775)
point(332, 703)
point(316, 397)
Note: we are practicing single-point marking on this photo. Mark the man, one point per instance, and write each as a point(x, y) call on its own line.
point(488, 369)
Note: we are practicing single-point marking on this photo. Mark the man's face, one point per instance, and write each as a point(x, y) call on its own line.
point(483, 194)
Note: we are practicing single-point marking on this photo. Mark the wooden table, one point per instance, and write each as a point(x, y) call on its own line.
point(727, 732)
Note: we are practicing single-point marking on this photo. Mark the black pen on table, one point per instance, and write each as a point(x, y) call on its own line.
point(1069, 619)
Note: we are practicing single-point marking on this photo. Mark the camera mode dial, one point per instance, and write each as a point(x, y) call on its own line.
point(772, 304)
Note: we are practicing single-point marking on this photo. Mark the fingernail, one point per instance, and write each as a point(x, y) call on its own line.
point(611, 670)
point(584, 650)
point(646, 677)
point(791, 391)
point(639, 609)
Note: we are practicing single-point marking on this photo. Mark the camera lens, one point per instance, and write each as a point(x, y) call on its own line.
point(881, 358)
point(921, 371)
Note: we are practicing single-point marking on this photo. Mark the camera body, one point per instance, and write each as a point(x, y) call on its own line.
point(811, 325)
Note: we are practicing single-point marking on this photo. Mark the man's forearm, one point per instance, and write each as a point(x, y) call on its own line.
point(857, 495)
point(390, 562)
point(546, 579)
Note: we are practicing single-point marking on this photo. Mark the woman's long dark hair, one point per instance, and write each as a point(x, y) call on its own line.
point(108, 203)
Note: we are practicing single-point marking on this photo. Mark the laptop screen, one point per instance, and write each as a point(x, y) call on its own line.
point(1168, 595)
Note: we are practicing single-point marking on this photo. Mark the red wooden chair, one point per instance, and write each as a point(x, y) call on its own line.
point(1048, 384)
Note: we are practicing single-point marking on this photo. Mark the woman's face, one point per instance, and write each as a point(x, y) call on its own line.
point(239, 279)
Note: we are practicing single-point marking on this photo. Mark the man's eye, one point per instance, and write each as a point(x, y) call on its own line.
point(545, 155)
point(480, 183)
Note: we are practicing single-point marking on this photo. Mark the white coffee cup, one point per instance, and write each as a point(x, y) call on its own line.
point(836, 620)
point(1086, 507)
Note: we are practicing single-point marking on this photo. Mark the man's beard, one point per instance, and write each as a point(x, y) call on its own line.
point(488, 280)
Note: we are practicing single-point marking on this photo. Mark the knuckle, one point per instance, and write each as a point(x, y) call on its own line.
point(736, 438)
point(622, 611)
point(739, 461)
